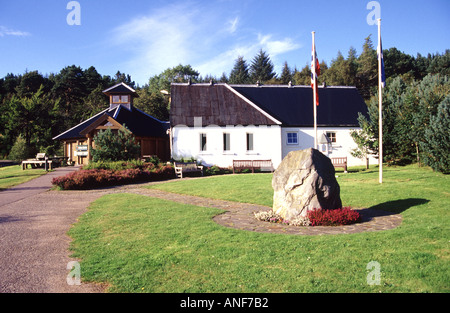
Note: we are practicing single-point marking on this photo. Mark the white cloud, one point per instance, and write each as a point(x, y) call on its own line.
point(232, 25)
point(207, 39)
point(5, 31)
point(224, 61)
point(276, 47)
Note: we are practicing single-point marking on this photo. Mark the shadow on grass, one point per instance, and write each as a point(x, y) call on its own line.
point(398, 206)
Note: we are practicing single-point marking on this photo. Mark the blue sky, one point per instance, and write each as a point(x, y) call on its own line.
point(143, 38)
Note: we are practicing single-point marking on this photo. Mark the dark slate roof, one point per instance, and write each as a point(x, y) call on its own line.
point(293, 106)
point(138, 122)
point(223, 104)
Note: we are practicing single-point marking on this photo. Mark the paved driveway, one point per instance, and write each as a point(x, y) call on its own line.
point(33, 242)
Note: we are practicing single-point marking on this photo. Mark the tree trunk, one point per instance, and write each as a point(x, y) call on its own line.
point(417, 153)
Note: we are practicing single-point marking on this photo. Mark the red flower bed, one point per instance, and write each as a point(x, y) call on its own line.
point(343, 216)
point(97, 178)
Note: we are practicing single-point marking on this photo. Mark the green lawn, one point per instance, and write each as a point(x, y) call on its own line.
point(14, 175)
point(141, 244)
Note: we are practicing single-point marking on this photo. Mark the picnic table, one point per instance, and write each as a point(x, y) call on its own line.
point(42, 160)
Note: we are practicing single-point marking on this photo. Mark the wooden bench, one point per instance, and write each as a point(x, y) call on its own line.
point(252, 165)
point(340, 162)
point(39, 161)
point(187, 167)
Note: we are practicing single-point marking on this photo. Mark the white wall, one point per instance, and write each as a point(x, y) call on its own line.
point(341, 148)
point(266, 145)
point(270, 142)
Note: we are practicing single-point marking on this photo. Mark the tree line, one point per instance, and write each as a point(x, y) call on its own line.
point(37, 107)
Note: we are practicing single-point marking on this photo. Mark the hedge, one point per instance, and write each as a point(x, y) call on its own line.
point(98, 178)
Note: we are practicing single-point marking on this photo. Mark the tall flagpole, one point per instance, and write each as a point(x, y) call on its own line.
point(380, 107)
point(313, 71)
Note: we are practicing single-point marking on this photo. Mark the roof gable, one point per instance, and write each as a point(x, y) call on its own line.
point(217, 104)
point(120, 88)
point(138, 122)
point(103, 122)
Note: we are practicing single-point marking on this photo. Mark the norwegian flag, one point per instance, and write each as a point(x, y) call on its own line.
point(315, 72)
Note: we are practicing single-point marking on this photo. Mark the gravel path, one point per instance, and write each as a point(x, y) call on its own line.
point(33, 242)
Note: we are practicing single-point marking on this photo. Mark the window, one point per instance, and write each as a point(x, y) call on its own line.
point(202, 142)
point(121, 99)
point(331, 136)
point(292, 138)
point(226, 142)
point(249, 142)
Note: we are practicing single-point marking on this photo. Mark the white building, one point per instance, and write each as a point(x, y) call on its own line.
point(219, 123)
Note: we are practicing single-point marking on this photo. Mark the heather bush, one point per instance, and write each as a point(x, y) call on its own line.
point(97, 178)
point(316, 217)
point(343, 216)
point(268, 216)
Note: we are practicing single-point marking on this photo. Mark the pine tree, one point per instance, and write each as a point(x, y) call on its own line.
point(303, 77)
point(436, 145)
point(115, 146)
point(20, 150)
point(424, 99)
point(239, 74)
point(286, 74)
point(261, 69)
point(367, 74)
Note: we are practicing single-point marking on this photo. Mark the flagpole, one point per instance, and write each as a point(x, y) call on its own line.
point(380, 107)
point(313, 69)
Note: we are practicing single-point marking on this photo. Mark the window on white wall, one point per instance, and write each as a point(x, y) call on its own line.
point(292, 138)
point(332, 136)
point(202, 142)
point(226, 142)
point(249, 142)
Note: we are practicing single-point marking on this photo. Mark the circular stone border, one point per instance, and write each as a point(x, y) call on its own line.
point(371, 220)
point(241, 216)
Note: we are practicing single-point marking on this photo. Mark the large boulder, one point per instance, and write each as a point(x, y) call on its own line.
point(305, 180)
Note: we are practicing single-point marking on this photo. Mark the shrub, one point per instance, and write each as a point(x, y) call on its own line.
point(215, 170)
point(343, 216)
point(272, 217)
point(268, 216)
point(115, 165)
point(20, 150)
point(300, 221)
point(97, 178)
point(316, 217)
point(114, 146)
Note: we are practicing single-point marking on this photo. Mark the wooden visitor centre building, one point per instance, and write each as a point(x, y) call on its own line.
point(150, 133)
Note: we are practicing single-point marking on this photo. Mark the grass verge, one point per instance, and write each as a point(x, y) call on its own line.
point(11, 176)
point(141, 244)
